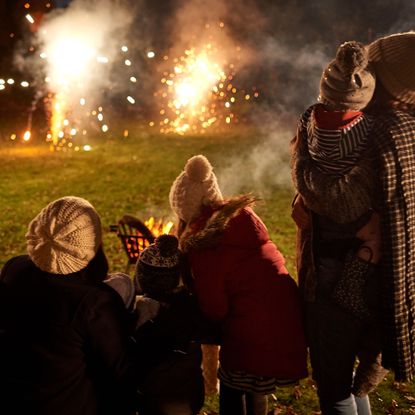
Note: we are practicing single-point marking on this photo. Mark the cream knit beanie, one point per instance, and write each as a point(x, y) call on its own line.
point(393, 59)
point(194, 187)
point(347, 82)
point(64, 236)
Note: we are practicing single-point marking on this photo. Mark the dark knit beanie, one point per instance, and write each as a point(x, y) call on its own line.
point(347, 82)
point(158, 267)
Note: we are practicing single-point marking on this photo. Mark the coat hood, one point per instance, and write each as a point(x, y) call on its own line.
point(209, 229)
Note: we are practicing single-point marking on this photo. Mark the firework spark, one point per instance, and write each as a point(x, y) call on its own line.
point(198, 90)
point(77, 65)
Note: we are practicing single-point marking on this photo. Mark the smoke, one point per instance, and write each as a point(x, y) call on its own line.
point(77, 52)
point(286, 75)
point(292, 87)
point(81, 45)
point(286, 47)
point(279, 47)
point(262, 169)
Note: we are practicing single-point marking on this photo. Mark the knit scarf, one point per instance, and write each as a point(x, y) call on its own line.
point(342, 198)
point(337, 151)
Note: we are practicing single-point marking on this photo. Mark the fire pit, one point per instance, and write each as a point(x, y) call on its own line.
point(136, 235)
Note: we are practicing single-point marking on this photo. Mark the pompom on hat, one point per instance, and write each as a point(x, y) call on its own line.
point(393, 60)
point(347, 82)
point(196, 186)
point(158, 267)
point(65, 236)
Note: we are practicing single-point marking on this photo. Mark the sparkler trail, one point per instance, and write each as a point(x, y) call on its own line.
point(78, 65)
point(71, 57)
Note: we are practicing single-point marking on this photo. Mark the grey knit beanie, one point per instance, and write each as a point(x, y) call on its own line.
point(64, 236)
point(393, 59)
point(347, 82)
point(194, 187)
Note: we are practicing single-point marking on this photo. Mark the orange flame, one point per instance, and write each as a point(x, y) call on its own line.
point(158, 227)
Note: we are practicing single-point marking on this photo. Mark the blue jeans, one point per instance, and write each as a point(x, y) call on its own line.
point(349, 406)
point(336, 339)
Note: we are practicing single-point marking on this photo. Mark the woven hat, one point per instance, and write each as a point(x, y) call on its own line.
point(64, 236)
point(196, 186)
point(347, 82)
point(158, 267)
point(393, 59)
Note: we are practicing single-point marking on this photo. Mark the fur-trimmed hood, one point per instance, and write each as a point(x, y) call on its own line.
point(207, 231)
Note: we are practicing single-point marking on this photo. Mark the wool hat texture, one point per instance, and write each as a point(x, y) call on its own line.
point(347, 83)
point(64, 236)
point(195, 187)
point(158, 267)
point(393, 60)
point(124, 285)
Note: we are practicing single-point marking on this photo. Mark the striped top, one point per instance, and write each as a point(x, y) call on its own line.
point(336, 151)
point(251, 383)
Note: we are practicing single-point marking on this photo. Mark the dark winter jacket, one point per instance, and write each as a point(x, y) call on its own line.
point(168, 347)
point(241, 281)
point(72, 334)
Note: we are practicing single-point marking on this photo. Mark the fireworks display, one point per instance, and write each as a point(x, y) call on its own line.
point(196, 90)
point(70, 71)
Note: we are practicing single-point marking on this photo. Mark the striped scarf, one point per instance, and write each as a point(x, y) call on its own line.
point(394, 137)
point(342, 197)
point(336, 151)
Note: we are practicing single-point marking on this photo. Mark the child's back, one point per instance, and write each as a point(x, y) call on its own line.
point(167, 338)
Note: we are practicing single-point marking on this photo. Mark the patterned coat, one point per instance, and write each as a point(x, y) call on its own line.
point(394, 138)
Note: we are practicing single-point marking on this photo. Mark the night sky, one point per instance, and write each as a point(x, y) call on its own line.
point(288, 42)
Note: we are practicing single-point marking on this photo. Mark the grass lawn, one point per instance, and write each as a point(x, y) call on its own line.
point(133, 175)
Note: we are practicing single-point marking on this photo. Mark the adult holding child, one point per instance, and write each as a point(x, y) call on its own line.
point(339, 233)
point(240, 282)
point(339, 284)
point(73, 332)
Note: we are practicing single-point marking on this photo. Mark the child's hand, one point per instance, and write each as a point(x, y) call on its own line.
point(301, 214)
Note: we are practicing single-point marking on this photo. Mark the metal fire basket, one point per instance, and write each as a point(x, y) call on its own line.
point(134, 236)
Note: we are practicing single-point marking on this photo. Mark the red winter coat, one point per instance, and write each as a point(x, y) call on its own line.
point(241, 282)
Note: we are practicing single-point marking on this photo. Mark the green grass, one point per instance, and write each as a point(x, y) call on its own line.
point(134, 176)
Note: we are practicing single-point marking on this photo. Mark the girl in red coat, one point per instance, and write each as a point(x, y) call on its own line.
point(241, 282)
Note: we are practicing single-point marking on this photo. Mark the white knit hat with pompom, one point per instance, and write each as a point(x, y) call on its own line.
point(64, 236)
point(195, 187)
